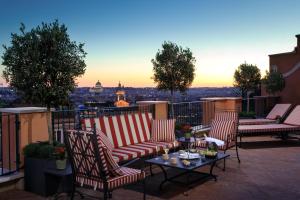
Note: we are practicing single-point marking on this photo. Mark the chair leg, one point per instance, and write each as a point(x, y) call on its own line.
point(237, 153)
point(144, 187)
point(73, 191)
point(105, 194)
point(224, 164)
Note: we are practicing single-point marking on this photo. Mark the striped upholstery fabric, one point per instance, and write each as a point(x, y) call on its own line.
point(87, 171)
point(222, 130)
point(112, 165)
point(256, 121)
point(129, 176)
point(139, 150)
point(229, 115)
point(104, 140)
point(83, 155)
point(163, 130)
point(267, 128)
point(278, 110)
point(122, 130)
point(292, 123)
point(294, 117)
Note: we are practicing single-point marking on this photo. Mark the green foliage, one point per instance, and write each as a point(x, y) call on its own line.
point(247, 77)
point(250, 114)
point(173, 68)
point(42, 150)
point(42, 64)
point(274, 82)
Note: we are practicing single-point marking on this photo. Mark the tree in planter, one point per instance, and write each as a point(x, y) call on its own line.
point(274, 82)
point(42, 65)
point(247, 78)
point(174, 69)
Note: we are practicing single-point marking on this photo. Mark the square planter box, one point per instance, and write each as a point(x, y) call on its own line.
point(34, 175)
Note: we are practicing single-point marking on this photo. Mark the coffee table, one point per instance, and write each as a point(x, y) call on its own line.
point(185, 170)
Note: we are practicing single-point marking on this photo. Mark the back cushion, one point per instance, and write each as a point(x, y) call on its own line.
point(222, 129)
point(294, 117)
point(122, 130)
point(163, 130)
point(278, 110)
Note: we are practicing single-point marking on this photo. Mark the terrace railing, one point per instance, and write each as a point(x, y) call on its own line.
point(192, 113)
point(9, 143)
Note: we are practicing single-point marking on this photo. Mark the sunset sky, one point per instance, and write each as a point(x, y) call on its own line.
point(121, 37)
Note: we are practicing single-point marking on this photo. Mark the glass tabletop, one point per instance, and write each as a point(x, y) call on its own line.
point(195, 163)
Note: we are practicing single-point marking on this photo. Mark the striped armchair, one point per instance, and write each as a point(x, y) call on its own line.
point(224, 127)
point(93, 165)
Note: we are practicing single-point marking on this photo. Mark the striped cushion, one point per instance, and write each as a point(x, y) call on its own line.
point(222, 130)
point(256, 121)
point(129, 176)
point(139, 150)
point(104, 140)
point(294, 117)
point(267, 128)
point(163, 130)
point(278, 110)
point(122, 130)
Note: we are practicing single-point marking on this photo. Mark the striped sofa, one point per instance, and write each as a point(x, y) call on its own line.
point(130, 135)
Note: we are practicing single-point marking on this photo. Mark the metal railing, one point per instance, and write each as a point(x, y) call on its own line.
point(191, 113)
point(9, 143)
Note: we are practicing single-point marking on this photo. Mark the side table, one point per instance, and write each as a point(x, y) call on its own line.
point(59, 181)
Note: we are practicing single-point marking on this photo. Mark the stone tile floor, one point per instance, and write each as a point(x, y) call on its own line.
point(269, 169)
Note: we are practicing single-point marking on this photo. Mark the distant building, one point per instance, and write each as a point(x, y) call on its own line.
point(97, 89)
point(289, 65)
point(121, 97)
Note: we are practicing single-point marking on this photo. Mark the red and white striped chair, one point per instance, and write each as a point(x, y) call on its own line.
point(224, 127)
point(129, 134)
point(93, 166)
point(278, 110)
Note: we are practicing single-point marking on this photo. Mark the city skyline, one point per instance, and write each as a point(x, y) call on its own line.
point(121, 37)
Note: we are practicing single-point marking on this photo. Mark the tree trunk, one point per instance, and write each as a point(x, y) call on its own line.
point(49, 123)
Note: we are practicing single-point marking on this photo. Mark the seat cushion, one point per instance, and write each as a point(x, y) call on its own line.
point(163, 130)
point(130, 175)
point(202, 144)
point(140, 150)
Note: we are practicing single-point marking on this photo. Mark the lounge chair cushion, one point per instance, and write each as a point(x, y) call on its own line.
point(294, 117)
point(163, 130)
point(278, 110)
point(267, 128)
point(256, 121)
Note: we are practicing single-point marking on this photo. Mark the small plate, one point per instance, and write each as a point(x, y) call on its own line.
point(189, 156)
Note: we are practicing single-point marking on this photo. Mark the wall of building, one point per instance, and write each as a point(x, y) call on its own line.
point(284, 63)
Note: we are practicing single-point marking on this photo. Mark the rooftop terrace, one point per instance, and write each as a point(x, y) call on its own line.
point(268, 170)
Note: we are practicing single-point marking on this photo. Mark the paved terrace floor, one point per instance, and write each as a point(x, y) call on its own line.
point(269, 170)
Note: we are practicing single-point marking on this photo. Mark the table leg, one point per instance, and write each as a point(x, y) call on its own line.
point(165, 176)
point(211, 171)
